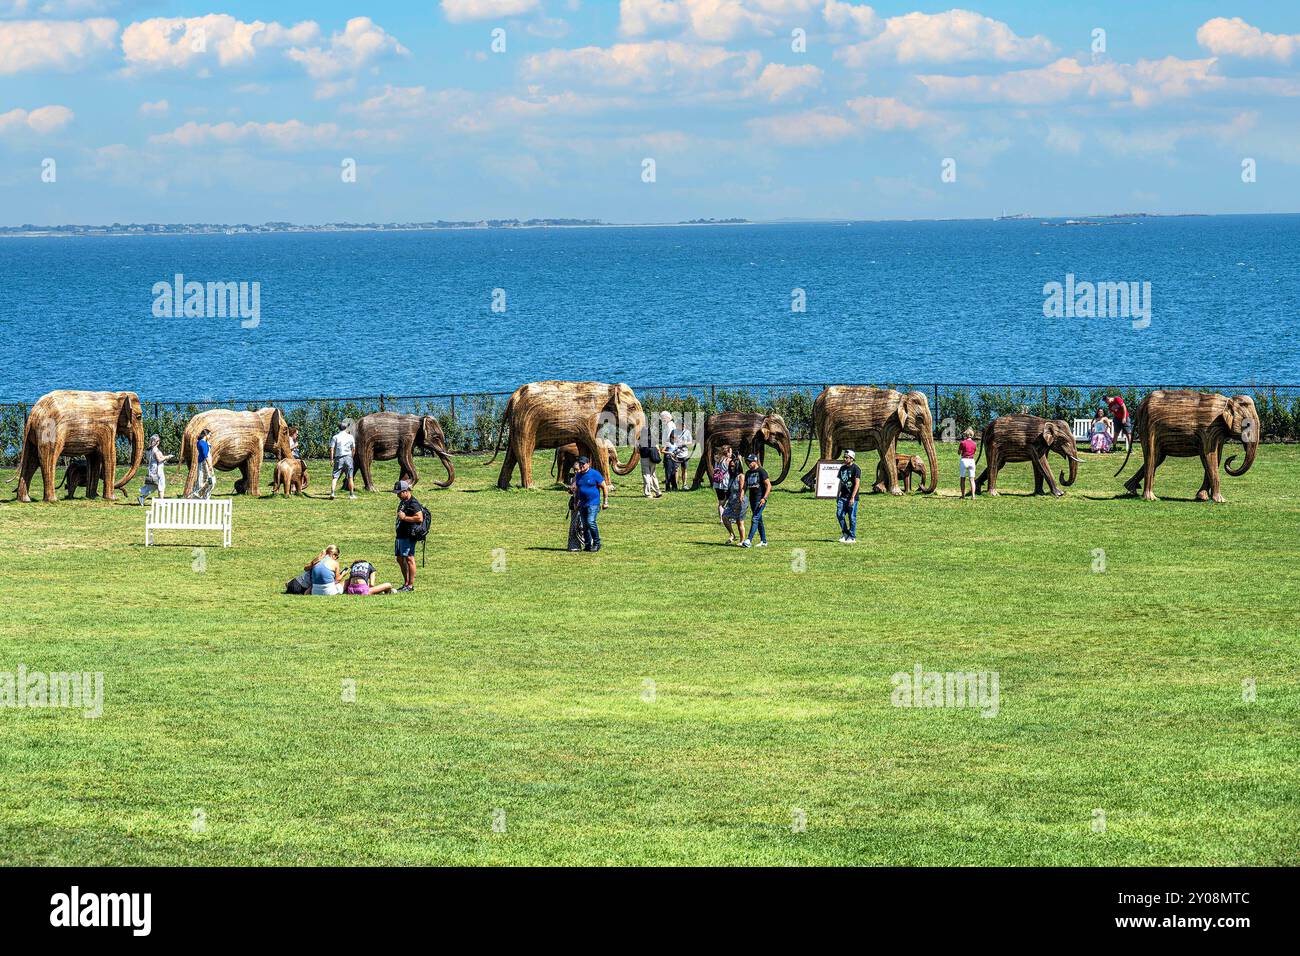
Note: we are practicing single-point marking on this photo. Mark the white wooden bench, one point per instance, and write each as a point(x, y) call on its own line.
point(1083, 429)
point(188, 514)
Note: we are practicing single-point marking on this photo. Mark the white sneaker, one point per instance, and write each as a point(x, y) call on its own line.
point(844, 539)
point(762, 544)
point(353, 497)
point(746, 544)
point(850, 540)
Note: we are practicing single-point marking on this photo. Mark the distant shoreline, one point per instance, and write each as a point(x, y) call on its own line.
point(265, 229)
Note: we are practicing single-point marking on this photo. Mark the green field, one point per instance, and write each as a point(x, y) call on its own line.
point(669, 700)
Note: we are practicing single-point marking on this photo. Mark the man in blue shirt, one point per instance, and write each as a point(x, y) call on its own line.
point(207, 480)
point(590, 490)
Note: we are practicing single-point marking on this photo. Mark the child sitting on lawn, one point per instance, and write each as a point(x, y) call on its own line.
point(361, 580)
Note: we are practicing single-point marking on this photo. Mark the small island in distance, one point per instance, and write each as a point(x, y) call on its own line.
point(234, 229)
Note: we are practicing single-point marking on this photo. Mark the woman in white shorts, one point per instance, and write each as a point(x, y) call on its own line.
point(967, 452)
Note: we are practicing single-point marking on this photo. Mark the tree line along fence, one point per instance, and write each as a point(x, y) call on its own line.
point(471, 420)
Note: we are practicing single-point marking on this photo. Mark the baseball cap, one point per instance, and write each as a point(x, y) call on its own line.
point(583, 459)
point(848, 453)
point(401, 486)
point(751, 458)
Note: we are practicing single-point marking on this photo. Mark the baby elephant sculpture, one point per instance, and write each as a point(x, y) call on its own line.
point(906, 466)
point(290, 475)
point(1029, 438)
point(1189, 424)
point(78, 474)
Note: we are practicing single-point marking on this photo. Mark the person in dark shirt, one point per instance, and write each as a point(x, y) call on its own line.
point(759, 486)
point(409, 514)
point(846, 502)
point(590, 489)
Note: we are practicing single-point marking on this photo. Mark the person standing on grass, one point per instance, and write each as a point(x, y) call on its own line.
point(590, 490)
point(342, 445)
point(409, 514)
point(846, 501)
point(759, 486)
point(207, 482)
point(293, 443)
point(155, 477)
point(734, 511)
point(966, 451)
point(719, 478)
point(650, 457)
point(1123, 423)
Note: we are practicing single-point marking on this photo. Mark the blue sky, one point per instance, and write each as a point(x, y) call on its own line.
point(245, 112)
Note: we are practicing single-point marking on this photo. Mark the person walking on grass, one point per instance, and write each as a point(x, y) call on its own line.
point(733, 513)
point(759, 486)
point(966, 451)
point(1123, 421)
point(207, 482)
point(342, 445)
point(155, 477)
point(590, 490)
point(846, 501)
point(409, 514)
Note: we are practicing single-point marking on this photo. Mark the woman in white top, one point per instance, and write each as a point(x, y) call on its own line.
point(155, 477)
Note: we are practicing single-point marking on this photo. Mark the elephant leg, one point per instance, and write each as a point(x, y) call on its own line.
point(527, 445)
point(507, 468)
point(907, 481)
point(245, 473)
point(363, 466)
point(255, 474)
point(1211, 460)
point(1150, 463)
point(981, 480)
point(108, 463)
point(993, 472)
point(406, 462)
point(1045, 474)
point(49, 459)
point(705, 456)
point(31, 461)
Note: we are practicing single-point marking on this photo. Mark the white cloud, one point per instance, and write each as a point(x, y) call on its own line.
point(1143, 83)
point(178, 42)
point(289, 135)
point(711, 20)
point(45, 119)
point(361, 42)
point(157, 108)
point(659, 66)
point(1064, 139)
point(52, 44)
point(463, 11)
point(809, 128)
point(778, 82)
point(953, 37)
point(851, 16)
point(1235, 37)
point(887, 113)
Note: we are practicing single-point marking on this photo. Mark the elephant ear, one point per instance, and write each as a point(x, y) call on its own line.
point(901, 415)
point(1230, 415)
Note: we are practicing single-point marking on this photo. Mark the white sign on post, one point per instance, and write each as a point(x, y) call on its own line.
point(828, 478)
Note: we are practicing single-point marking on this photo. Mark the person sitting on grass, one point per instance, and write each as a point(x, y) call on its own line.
point(1101, 439)
point(326, 573)
point(361, 580)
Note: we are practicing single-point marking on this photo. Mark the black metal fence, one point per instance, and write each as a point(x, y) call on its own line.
point(471, 420)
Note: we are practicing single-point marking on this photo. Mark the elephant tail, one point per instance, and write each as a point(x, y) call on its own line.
point(980, 453)
point(22, 454)
point(1126, 457)
point(501, 427)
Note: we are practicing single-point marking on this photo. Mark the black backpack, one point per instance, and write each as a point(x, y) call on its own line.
point(421, 531)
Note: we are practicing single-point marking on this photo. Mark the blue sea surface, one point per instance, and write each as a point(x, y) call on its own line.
point(350, 314)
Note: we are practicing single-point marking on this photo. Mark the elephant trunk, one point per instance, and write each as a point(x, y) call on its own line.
point(1251, 448)
point(632, 462)
point(1074, 471)
point(446, 463)
point(137, 453)
point(783, 446)
point(927, 439)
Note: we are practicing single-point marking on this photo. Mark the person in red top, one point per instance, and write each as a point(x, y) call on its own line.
point(1123, 423)
point(966, 451)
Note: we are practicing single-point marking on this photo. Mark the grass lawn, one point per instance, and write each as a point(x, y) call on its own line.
point(669, 700)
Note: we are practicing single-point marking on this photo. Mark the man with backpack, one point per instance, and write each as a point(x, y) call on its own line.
point(412, 526)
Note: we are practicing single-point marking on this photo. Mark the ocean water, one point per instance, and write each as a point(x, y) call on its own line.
point(347, 314)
